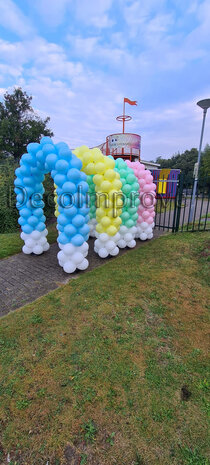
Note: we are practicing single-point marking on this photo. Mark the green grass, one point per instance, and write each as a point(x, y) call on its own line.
point(11, 243)
point(97, 366)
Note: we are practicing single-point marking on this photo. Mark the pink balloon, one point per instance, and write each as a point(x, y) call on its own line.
point(145, 214)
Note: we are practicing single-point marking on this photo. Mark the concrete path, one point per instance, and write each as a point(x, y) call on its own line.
point(24, 278)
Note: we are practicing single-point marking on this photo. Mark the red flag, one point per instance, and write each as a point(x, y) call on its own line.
point(131, 102)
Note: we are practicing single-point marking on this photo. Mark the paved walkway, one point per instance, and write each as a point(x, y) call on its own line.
point(24, 278)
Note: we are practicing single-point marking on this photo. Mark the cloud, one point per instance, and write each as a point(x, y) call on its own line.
point(94, 12)
point(12, 19)
point(52, 12)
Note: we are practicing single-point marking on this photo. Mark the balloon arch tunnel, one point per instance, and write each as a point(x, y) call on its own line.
point(111, 200)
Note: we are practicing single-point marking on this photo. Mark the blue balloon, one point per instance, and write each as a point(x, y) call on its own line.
point(70, 212)
point(63, 239)
point(22, 221)
point(46, 140)
point(62, 166)
point(84, 210)
point(70, 230)
point(28, 158)
point(63, 220)
point(61, 145)
point(25, 212)
point(82, 187)
point(27, 229)
point(47, 149)
point(60, 228)
point(69, 187)
point(74, 175)
point(40, 156)
point(59, 179)
point(65, 153)
point(78, 221)
point(28, 181)
point(83, 176)
point(33, 147)
point(33, 220)
point(40, 226)
point(18, 182)
point(76, 163)
point(53, 173)
point(51, 160)
point(38, 212)
point(84, 230)
point(77, 240)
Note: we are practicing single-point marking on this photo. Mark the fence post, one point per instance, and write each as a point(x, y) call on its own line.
point(179, 203)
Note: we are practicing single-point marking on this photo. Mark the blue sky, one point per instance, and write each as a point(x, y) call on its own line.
point(79, 58)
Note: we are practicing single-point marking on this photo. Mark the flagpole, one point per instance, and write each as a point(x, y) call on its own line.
point(123, 116)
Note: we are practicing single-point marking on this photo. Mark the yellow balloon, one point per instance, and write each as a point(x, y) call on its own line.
point(107, 183)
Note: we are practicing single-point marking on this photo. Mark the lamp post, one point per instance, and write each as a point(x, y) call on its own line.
point(204, 104)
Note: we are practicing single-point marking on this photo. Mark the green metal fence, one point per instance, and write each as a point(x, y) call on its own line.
point(173, 213)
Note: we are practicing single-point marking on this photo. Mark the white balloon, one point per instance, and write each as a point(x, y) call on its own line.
point(149, 230)
point(131, 244)
point(110, 245)
point(61, 255)
point(123, 229)
point(114, 252)
point(116, 237)
point(143, 236)
point(144, 225)
point(150, 236)
point(38, 249)
point(77, 257)
point(35, 235)
point(84, 247)
point(98, 244)
point(103, 253)
point(42, 240)
point(69, 249)
point(46, 247)
point(104, 237)
point(128, 237)
point(30, 243)
point(69, 267)
point(26, 250)
point(83, 265)
point(121, 243)
point(24, 236)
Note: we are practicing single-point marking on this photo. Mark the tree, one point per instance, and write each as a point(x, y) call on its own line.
point(19, 124)
point(182, 161)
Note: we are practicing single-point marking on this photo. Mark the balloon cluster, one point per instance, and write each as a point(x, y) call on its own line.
point(108, 189)
point(146, 209)
point(129, 216)
point(71, 190)
point(94, 194)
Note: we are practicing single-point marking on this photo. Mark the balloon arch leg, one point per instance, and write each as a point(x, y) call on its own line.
point(111, 200)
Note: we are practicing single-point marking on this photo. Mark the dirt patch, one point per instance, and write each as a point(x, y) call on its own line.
point(205, 253)
point(71, 455)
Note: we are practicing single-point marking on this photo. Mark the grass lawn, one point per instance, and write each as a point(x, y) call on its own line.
point(111, 369)
point(12, 243)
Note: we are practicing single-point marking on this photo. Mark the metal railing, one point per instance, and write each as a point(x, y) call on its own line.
point(174, 213)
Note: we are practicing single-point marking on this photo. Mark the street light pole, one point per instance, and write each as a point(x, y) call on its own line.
point(205, 104)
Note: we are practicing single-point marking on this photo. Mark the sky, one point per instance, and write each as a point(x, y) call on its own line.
point(80, 58)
